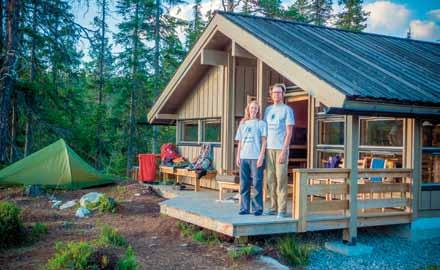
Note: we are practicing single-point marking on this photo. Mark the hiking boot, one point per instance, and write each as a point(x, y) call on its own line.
point(281, 215)
point(270, 213)
point(243, 212)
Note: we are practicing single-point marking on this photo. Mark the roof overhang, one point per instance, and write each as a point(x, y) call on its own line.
point(191, 68)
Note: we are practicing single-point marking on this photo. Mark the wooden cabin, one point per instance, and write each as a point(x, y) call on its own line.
point(358, 96)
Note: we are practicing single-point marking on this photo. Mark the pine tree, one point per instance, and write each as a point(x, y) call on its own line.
point(320, 11)
point(196, 26)
point(352, 16)
point(270, 8)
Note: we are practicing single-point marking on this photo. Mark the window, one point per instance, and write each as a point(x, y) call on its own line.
point(381, 132)
point(331, 132)
point(212, 132)
point(431, 152)
point(190, 132)
point(330, 146)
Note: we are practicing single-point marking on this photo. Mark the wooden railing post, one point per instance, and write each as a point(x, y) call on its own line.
point(351, 156)
point(300, 212)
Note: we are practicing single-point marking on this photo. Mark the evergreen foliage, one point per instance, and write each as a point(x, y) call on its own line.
point(352, 17)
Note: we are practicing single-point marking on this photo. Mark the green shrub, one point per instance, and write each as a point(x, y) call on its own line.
point(106, 204)
point(433, 267)
point(194, 232)
point(36, 231)
point(73, 255)
point(292, 252)
point(11, 227)
point(128, 262)
point(110, 236)
point(246, 251)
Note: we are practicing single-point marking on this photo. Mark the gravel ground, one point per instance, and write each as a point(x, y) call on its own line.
point(389, 251)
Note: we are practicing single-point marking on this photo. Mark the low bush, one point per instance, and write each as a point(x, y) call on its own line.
point(196, 234)
point(37, 231)
point(110, 236)
point(73, 255)
point(106, 204)
point(128, 262)
point(12, 231)
point(293, 252)
point(103, 253)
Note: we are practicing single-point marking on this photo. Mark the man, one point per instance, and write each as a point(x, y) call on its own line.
point(280, 120)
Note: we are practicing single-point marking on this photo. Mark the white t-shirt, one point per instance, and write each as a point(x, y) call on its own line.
point(249, 134)
point(277, 117)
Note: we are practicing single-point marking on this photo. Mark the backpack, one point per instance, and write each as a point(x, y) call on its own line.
point(168, 152)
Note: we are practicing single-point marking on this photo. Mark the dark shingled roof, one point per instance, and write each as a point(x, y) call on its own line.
point(361, 65)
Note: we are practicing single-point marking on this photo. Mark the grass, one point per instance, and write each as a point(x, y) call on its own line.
point(196, 234)
point(243, 252)
point(37, 231)
point(294, 252)
point(433, 267)
point(110, 236)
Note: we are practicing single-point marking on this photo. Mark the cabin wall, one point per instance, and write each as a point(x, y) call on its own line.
point(206, 100)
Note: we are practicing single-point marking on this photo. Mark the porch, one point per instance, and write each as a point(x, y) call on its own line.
point(321, 200)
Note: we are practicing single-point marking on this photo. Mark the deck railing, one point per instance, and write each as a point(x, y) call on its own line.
point(325, 192)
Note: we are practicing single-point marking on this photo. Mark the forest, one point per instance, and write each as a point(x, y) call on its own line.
point(98, 100)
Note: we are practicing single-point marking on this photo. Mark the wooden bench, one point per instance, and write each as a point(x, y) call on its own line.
point(166, 171)
point(227, 182)
point(192, 174)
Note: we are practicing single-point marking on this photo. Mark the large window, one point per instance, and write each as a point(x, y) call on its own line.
point(212, 131)
point(431, 152)
point(190, 131)
point(381, 132)
point(381, 138)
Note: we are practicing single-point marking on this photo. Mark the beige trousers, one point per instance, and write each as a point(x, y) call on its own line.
point(276, 180)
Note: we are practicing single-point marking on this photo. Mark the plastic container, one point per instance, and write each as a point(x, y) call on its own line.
point(147, 167)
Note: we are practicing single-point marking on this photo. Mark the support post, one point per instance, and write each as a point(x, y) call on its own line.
point(228, 116)
point(351, 156)
point(261, 92)
point(413, 157)
point(311, 132)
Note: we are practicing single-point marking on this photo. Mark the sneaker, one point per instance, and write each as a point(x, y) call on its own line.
point(270, 213)
point(243, 212)
point(281, 215)
point(258, 213)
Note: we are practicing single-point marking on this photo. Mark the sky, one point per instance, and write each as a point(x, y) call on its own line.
point(392, 18)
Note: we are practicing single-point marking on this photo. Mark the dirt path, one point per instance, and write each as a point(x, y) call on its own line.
point(156, 239)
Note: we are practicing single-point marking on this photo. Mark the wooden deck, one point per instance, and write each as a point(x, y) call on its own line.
point(205, 210)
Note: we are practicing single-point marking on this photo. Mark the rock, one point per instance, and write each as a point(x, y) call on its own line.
point(137, 194)
point(154, 237)
point(56, 204)
point(90, 199)
point(68, 204)
point(184, 245)
point(82, 212)
point(271, 264)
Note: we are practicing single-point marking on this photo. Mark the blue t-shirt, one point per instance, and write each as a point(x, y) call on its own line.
point(277, 117)
point(249, 134)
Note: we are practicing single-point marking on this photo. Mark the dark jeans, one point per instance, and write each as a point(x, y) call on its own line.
point(249, 173)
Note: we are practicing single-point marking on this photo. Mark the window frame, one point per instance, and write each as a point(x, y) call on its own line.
point(182, 132)
point(428, 150)
point(211, 121)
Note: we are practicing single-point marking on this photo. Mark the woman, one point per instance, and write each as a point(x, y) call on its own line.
point(251, 137)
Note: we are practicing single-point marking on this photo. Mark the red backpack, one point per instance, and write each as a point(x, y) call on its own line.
point(168, 152)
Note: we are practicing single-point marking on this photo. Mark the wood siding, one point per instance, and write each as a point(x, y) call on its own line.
point(206, 99)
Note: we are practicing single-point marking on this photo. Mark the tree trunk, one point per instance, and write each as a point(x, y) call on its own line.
point(132, 121)
point(156, 68)
point(8, 74)
point(100, 91)
point(13, 129)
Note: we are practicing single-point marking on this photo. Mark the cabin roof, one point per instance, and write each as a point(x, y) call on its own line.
point(354, 68)
point(360, 65)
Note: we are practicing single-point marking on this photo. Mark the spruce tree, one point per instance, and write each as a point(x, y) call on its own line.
point(352, 17)
point(320, 11)
point(195, 26)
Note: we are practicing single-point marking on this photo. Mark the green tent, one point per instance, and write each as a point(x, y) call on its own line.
point(56, 165)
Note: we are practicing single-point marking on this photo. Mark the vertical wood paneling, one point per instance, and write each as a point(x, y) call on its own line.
point(206, 99)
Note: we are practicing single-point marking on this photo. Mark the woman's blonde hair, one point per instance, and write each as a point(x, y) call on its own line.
point(247, 113)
